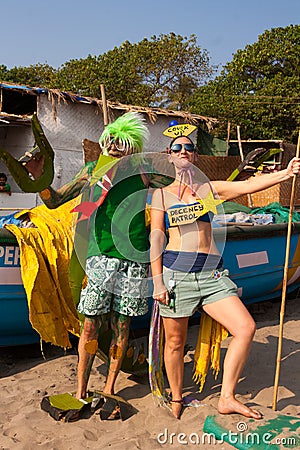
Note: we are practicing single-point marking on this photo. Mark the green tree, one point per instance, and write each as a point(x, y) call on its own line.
point(163, 71)
point(3, 72)
point(40, 75)
point(114, 69)
point(171, 67)
point(259, 89)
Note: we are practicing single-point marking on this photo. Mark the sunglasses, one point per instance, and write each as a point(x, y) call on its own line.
point(176, 148)
point(119, 145)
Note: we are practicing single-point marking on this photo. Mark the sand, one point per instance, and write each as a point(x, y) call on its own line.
point(26, 377)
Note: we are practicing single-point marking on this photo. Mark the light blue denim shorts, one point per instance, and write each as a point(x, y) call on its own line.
point(195, 289)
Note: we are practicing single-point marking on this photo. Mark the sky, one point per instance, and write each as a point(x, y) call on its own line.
point(57, 31)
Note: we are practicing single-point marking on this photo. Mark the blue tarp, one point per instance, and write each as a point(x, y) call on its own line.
point(8, 220)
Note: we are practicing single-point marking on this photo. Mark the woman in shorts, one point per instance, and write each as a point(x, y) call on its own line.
point(190, 267)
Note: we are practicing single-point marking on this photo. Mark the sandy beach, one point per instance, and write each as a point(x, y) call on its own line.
point(26, 377)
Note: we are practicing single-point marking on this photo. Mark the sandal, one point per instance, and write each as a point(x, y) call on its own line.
point(115, 407)
point(110, 410)
point(180, 410)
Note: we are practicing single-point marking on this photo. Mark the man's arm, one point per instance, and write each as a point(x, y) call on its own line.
point(54, 198)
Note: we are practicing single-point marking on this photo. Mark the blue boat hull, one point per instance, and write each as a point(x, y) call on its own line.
point(255, 258)
point(15, 328)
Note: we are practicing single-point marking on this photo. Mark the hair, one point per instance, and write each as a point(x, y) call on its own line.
point(131, 131)
point(177, 137)
point(3, 175)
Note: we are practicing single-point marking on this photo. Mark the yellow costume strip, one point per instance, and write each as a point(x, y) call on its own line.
point(208, 348)
point(45, 253)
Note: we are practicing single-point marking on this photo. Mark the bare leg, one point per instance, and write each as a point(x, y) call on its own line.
point(89, 333)
point(234, 316)
point(120, 326)
point(175, 333)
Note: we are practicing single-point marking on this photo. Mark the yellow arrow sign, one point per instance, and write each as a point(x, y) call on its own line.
point(186, 214)
point(183, 129)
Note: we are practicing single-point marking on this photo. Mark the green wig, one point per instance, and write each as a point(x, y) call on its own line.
point(130, 130)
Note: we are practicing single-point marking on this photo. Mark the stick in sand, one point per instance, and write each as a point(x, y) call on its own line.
point(284, 285)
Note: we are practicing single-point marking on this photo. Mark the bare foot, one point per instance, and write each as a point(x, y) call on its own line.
point(231, 405)
point(108, 391)
point(177, 407)
point(80, 395)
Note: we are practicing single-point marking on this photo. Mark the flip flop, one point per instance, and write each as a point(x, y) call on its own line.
point(110, 410)
point(114, 404)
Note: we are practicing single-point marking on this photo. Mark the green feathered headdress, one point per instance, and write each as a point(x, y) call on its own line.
point(130, 130)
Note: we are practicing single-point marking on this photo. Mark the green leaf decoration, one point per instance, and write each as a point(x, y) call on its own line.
point(19, 172)
point(65, 402)
point(103, 165)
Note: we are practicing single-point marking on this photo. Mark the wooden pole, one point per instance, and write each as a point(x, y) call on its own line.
point(240, 142)
point(104, 105)
point(12, 209)
point(284, 285)
point(242, 158)
point(228, 138)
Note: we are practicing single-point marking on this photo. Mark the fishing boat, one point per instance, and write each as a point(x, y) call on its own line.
point(254, 256)
point(15, 328)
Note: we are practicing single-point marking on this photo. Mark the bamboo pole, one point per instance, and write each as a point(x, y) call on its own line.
point(240, 142)
point(228, 138)
point(104, 105)
point(12, 208)
point(242, 158)
point(284, 286)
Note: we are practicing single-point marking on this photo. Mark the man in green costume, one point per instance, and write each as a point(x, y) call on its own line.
point(117, 254)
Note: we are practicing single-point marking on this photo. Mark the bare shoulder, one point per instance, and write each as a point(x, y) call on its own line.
point(202, 189)
point(157, 198)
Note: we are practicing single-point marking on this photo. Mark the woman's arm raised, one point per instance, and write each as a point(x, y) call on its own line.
point(228, 190)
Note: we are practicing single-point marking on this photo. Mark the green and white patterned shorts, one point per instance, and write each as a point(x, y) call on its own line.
point(114, 284)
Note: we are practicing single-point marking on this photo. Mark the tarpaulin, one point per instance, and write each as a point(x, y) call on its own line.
point(45, 253)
